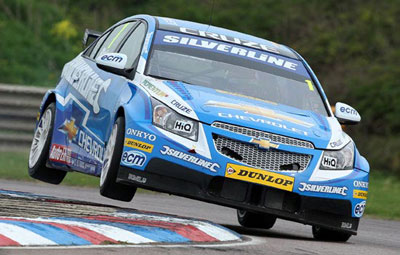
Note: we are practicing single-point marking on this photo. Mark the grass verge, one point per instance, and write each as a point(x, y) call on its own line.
point(383, 195)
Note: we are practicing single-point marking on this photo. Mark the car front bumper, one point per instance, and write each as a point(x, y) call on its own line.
point(165, 176)
point(171, 166)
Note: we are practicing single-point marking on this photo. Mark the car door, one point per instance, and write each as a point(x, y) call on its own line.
point(94, 93)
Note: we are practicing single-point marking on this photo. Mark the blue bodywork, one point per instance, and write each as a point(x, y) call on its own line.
point(84, 120)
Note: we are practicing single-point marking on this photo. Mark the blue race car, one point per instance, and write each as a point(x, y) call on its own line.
point(206, 113)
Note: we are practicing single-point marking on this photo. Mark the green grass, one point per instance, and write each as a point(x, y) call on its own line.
point(383, 195)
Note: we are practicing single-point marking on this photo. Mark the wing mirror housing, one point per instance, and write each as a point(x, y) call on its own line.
point(346, 114)
point(112, 61)
point(89, 36)
point(115, 63)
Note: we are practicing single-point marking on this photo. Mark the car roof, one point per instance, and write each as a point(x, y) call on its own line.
point(176, 25)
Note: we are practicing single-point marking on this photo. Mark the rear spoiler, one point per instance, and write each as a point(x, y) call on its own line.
point(90, 34)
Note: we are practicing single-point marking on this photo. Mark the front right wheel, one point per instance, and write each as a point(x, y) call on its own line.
point(255, 220)
point(325, 234)
point(112, 159)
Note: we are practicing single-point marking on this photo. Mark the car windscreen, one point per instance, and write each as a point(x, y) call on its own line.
point(234, 69)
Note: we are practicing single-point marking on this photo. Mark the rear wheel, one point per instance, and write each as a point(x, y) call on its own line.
point(255, 220)
point(39, 152)
point(325, 234)
point(112, 158)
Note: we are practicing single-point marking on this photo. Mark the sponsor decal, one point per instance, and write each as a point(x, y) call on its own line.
point(112, 58)
point(264, 143)
point(167, 38)
point(141, 134)
point(271, 179)
point(183, 126)
point(137, 178)
point(181, 90)
point(361, 194)
point(87, 167)
point(86, 141)
point(90, 145)
point(133, 158)
point(359, 209)
point(346, 225)
point(146, 42)
point(360, 184)
point(230, 170)
point(264, 121)
point(228, 39)
point(139, 145)
point(180, 107)
point(87, 82)
point(69, 128)
point(154, 89)
point(60, 153)
point(189, 158)
point(336, 144)
point(348, 110)
point(329, 162)
point(271, 114)
point(323, 189)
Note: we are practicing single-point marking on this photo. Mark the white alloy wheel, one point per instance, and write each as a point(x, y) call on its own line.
point(40, 137)
point(108, 154)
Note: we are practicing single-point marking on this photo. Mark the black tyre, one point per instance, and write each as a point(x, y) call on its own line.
point(325, 234)
point(40, 148)
point(255, 220)
point(112, 158)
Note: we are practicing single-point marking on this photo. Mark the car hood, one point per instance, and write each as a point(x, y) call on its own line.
point(209, 105)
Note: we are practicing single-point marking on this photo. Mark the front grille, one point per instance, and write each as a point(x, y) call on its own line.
point(251, 155)
point(261, 134)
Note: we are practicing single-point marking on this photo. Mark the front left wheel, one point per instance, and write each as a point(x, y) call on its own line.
point(112, 158)
point(39, 152)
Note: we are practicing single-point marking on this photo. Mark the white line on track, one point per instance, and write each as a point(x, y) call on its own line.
point(115, 233)
point(215, 231)
point(23, 236)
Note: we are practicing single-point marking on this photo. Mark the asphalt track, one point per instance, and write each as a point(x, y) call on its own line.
point(374, 236)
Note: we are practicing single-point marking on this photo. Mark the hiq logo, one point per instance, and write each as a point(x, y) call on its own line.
point(183, 126)
point(133, 158)
point(329, 162)
point(112, 58)
point(359, 209)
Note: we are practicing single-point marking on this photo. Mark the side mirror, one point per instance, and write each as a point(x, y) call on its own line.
point(89, 36)
point(346, 114)
point(114, 63)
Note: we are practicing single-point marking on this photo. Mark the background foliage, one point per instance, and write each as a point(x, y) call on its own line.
point(353, 46)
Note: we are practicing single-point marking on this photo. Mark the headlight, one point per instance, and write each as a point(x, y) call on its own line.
point(166, 118)
point(338, 160)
